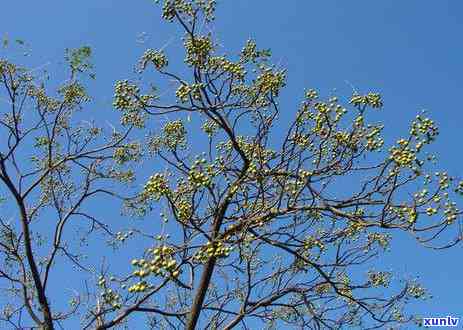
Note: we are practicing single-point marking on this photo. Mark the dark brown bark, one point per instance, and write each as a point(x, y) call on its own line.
point(201, 294)
point(40, 291)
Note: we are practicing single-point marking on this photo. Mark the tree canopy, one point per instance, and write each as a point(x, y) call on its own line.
point(254, 232)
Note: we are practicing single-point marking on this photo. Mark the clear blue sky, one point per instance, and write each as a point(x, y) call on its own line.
point(410, 51)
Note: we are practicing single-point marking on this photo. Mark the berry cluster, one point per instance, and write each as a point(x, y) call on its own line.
point(197, 176)
point(212, 249)
point(210, 128)
point(108, 295)
point(161, 264)
point(158, 59)
point(174, 134)
point(371, 99)
point(402, 156)
point(184, 91)
point(379, 278)
point(156, 187)
point(124, 95)
point(183, 209)
point(270, 82)
point(198, 50)
point(128, 152)
point(73, 94)
point(222, 64)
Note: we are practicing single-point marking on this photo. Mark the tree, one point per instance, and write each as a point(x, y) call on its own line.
point(254, 232)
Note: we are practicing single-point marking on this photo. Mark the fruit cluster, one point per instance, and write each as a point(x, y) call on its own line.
point(161, 264)
point(216, 249)
point(156, 187)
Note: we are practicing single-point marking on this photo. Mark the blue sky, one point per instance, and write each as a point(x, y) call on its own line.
point(410, 51)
